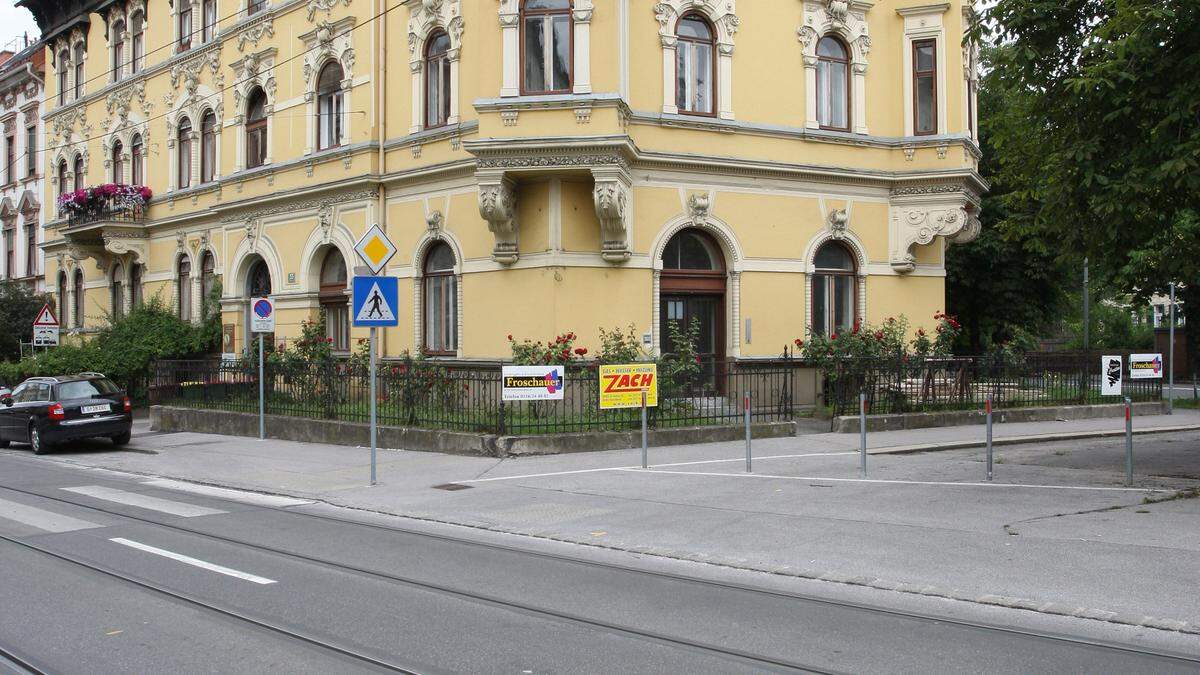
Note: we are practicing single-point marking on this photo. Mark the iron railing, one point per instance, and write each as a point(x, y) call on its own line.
point(134, 215)
point(900, 385)
point(442, 396)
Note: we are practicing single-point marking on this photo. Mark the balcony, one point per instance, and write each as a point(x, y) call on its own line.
point(105, 223)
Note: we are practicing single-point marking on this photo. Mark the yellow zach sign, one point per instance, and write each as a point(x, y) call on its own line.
point(375, 249)
point(622, 386)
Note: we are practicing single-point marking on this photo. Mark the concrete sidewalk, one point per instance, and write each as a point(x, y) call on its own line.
point(1055, 533)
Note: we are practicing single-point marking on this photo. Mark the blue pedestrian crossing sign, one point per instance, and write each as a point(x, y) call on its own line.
point(375, 302)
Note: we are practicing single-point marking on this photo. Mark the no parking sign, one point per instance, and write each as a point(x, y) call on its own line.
point(262, 315)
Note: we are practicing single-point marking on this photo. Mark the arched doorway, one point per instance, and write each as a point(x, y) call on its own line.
point(258, 285)
point(692, 288)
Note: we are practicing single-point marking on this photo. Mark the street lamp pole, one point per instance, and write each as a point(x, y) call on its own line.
point(1087, 309)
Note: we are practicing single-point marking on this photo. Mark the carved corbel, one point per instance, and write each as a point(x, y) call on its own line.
point(498, 206)
point(612, 197)
point(922, 213)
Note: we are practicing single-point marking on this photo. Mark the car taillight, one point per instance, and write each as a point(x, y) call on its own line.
point(56, 412)
point(127, 405)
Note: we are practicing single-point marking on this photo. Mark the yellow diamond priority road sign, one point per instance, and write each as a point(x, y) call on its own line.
point(375, 249)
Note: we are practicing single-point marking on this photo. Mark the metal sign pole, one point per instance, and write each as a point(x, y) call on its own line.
point(862, 433)
point(747, 413)
point(1128, 442)
point(645, 452)
point(989, 437)
point(374, 405)
point(1171, 360)
point(262, 410)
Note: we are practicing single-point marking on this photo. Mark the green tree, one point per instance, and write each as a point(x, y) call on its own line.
point(1097, 140)
point(18, 309)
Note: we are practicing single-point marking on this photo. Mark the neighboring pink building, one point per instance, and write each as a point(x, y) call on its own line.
point(22, 75)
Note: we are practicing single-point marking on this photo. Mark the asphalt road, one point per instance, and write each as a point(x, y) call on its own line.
point(108, 573)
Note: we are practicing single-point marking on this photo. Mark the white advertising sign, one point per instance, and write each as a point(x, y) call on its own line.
point(1111, 372)
point(533, 383)
point(1145, 366)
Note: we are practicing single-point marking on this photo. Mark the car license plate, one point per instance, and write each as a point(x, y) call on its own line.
point(90, 409)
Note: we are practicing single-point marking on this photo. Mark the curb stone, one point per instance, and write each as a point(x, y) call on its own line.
point(1157, 623)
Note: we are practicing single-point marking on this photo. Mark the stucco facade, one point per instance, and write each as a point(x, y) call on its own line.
point(21, 87)
point(557, 203)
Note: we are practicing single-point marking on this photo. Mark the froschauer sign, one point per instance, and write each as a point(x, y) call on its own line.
point(1145, 366)
point(533, 383)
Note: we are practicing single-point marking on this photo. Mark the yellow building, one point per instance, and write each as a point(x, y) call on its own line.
point(770, 168)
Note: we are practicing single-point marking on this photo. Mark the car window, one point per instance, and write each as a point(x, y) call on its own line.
point(40, 393)
point(19, 392)
point(85, 389)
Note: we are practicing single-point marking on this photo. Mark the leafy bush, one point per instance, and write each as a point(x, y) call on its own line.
point(18, 308)
point(617, 347)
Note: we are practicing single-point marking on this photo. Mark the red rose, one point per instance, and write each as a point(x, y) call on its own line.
point(921, 332)
point(581, 351)
point(510, 337)
point(799, 342)
point(833, 337)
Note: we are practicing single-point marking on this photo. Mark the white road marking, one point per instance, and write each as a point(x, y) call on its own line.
point(194, 562)
point(893, 482)
point(42, 519)
point(224, 493)
point(624, 468)
point(144, 501)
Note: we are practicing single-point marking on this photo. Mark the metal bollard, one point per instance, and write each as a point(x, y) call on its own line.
point(746, 408)
point(862, 434)
point(989, 437)
point(1128, 442)
point(645, 453)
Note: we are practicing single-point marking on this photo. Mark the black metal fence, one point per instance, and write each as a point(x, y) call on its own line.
point(468, 398)
point(963, 383)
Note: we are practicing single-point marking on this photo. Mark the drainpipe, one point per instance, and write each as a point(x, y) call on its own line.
point(381, 129)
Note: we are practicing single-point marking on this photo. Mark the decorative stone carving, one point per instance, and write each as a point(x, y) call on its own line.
point(839, 222)
point(612, 197)
point(120, 101)
point(256, 32)
point(434, 221)
point(189, 71)
point(498, 206)
point(325, 220)
point(698, 208)
point(326, 6)
point(920, 214)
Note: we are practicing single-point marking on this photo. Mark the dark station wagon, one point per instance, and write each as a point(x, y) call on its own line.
point(49, 411)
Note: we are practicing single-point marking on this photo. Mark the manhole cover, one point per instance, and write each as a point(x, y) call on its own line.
point(451, 487)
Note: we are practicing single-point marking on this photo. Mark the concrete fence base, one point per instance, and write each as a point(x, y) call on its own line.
point(848, 424)
point(172, 419)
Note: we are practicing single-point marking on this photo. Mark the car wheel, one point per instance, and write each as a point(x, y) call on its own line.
point(121, 439)
point(35, 441)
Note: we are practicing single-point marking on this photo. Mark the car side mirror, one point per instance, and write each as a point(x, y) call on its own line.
point(6, 400)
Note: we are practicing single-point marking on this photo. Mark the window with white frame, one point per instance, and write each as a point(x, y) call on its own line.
point(137, 35)
point(78, 63)
point(208, 15)
point(208, 147)
point(330, 103)
point(136, 152)
point(695, 58)
point(439, 299)
point(118, 50)
point(437, 80)
point(834, 290)
point(64, 70)
point(184, 20)
point(256, 128)
point(833, 84)
point(184, 153)
point(546, 44)
point(924, 77)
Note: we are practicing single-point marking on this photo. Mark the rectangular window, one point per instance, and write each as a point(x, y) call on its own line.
point(31, 257)
point(185, 27)
point(441, 314)
point(925, 87)
point(10, 159)
point(31, 150)
point(10, 255)
point(209, 29)
point(337, 325)
point(693, 70)
point(255, 6)
point(547, 53)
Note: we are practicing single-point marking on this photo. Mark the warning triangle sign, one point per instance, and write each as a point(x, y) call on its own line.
point(375, 307)
point(46, 317)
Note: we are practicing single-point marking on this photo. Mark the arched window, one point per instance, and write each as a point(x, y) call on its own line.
point(118, 49)
point(334, 302)
point(78, 291)
point(833, 84)
point(64, 67)
point(547, 46)
point(834, 290)
point(208, 13)
point(208, 147)
point(208, 278)
point(137, 29)
point(437, 80)
point(692, 293)
point(118, 162)
point(256, 128)
point(80, 176)
point(79, 79)
point(183, 289)
point(135, 286)
point(136, 160)
point(329, 107)
point(64, 183)
point(184, 142)
point(117, 292)
point(695, 66)
point(440, 301)
point(185, 26)
point(62, 299)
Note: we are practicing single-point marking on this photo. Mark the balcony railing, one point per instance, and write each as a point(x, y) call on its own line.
point(134, 215)
point(110, 202)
